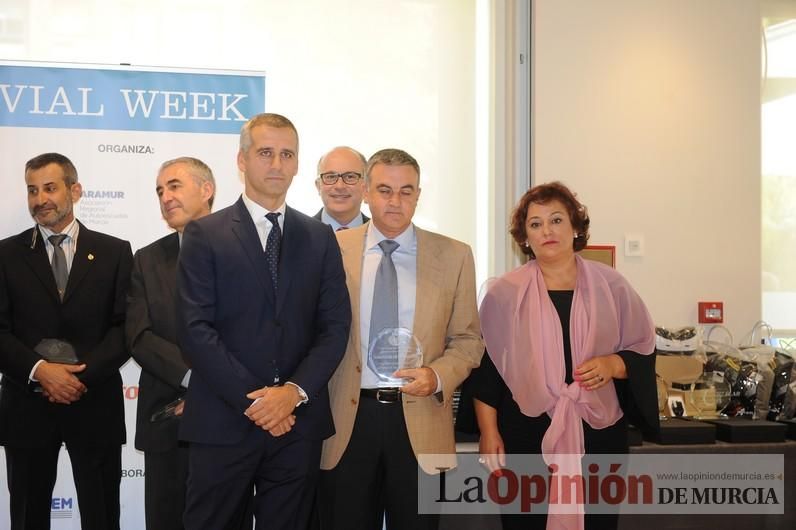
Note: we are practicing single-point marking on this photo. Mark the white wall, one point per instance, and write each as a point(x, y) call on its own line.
point(365, 73)
point(650, 110)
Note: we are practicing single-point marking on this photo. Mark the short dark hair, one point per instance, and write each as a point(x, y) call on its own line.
point(543, 194)
point(45, 159)
point(391, 157)
point(269, 119)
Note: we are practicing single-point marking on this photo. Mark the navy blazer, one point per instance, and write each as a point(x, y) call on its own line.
point(239, 336)
point(91, 318)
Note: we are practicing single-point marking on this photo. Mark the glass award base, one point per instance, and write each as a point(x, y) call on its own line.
point(167, 412)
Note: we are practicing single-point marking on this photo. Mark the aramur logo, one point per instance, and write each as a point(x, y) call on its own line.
point(130, 391)
point(62, 508)
point(102, 194)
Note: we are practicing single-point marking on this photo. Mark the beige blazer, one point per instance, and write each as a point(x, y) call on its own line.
point(446, 324)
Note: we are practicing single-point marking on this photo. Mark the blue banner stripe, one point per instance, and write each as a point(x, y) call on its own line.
point(128, 100)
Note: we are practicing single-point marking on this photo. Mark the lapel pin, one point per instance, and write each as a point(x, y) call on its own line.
point(91, 257)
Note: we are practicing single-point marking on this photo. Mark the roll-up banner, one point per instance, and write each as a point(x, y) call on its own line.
point(117, 124)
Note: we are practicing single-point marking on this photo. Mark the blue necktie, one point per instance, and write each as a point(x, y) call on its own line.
point(272, 245)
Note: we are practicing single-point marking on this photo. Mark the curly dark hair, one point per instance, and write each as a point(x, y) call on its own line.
point(543, 194)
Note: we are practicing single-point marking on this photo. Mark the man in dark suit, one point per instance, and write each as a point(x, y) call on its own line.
point(185, 189)
point(263, 318)
point(60, 280)
point(340, 184)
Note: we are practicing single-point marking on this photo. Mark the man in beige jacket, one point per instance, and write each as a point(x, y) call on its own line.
point(425, 283)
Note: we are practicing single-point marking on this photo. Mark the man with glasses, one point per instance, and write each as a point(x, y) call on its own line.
point(407, 283)
point(340, 184)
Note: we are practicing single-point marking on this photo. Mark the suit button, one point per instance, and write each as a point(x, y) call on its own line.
point(359, 369)
point(353, 401)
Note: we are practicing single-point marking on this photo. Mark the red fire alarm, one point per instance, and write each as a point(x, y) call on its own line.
point(710, 312)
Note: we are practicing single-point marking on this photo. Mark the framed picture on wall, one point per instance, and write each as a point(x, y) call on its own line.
point(602, 253)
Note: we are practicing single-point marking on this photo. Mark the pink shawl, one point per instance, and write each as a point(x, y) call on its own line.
point(523, 335)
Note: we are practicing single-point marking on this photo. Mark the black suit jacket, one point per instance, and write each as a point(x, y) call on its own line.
point(91, 317)
point(239, 335)
point(319, 216)
point(152, 339)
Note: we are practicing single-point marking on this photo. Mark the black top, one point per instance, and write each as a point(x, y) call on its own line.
point(521, 433)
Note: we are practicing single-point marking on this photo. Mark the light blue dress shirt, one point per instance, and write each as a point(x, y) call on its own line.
point(331, 221)
point(405, 260)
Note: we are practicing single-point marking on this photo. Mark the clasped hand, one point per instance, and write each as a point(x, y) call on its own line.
point(272, 409)
point(58, 382)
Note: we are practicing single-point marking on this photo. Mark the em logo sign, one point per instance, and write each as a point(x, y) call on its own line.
point(61, 508)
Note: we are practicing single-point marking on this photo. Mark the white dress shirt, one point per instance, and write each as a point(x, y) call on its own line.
point(69, 244)
point(261, 223)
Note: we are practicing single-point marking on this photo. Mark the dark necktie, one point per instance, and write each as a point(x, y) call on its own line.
point(272, 245)
point(59, 263)
point(384, 313)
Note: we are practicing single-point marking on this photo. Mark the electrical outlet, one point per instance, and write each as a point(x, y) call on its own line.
point(634, 245)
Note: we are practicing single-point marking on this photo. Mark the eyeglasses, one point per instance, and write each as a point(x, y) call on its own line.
point(349, 177)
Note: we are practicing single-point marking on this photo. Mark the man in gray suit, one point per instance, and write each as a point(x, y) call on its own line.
point(340, 184)
point(185, 189)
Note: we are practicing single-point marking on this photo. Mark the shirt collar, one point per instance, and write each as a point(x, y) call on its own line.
point(258, 212)
point(71, 230)
point(335, 224)
point(405, 240)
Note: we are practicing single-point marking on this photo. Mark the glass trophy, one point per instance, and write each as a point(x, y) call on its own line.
point(709, 395)
point(723, 393)
point(394, 349)
point(702, 399)
point(167, 412)
point(56, 351)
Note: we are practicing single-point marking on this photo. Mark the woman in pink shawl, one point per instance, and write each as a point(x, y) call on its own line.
point(569, 347)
